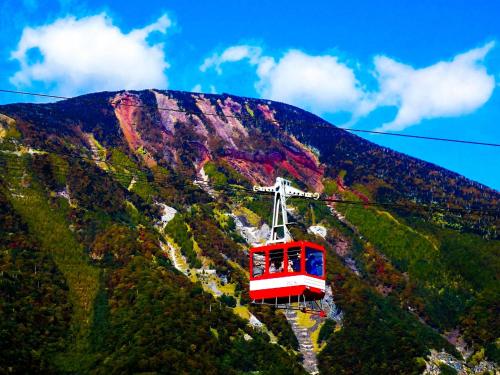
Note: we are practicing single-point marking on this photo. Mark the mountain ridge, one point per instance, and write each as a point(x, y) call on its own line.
point(255, 100)
point(422, 182)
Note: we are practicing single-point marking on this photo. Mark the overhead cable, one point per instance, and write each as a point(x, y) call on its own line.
point(272, 121)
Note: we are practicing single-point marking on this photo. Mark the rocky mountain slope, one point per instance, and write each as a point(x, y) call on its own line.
point(132, 208)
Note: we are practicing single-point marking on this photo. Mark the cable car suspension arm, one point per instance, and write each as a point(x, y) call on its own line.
point(282, 190)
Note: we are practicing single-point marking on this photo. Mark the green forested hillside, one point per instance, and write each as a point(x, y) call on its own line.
point(33, 299)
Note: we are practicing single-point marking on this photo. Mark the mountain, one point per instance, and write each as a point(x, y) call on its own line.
point(113, 204)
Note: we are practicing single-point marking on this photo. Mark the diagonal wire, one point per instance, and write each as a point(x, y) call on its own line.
point(121, 103)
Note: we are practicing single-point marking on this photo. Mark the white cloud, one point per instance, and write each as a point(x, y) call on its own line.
point(232, 54)
point(91, 54)
point(325, 84)
point(319, 83)
point(197, 88)
point(445, 89)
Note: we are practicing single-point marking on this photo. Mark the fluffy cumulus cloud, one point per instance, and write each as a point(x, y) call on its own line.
point(197, 88)
point(447, 88)
point(90, 54)
point(319, 83)
point(326, 84)
point(232, 54)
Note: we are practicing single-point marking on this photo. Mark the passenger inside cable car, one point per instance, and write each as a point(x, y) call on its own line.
point(259, 262)
point(294, 259)
point(314, 262)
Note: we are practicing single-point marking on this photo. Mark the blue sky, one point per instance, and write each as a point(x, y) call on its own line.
point(426, 68)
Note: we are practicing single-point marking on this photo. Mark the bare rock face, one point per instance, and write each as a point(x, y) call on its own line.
point(167, 214)
point(252, 235)
point(218, 129)
point(318, 230)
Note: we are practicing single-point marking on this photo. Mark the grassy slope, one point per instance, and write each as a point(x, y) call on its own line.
point(450, 272)
point(50, 227)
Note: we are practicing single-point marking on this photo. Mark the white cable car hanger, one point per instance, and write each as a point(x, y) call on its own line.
point(282, 190)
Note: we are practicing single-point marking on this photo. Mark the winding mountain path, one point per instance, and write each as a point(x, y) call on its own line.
point(306, 347)
point(174, 255)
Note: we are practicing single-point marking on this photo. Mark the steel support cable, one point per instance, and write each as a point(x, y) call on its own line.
point(271, 121)
point(386, 204)
point(156, 178)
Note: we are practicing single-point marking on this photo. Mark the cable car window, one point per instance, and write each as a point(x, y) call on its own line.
point(258, 264)
point(276, 260)
point(314, 262)
point(294, 259)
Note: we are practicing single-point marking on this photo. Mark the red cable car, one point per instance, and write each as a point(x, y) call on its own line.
point(284, 272)
point(287, 272)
